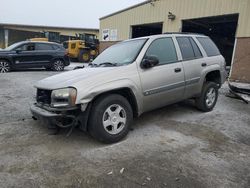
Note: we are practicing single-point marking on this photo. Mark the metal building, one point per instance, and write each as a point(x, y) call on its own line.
point(227, 22)
point(11, 33)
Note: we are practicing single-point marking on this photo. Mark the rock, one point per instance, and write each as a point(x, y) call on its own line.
point(110, 173)
point(121, 171)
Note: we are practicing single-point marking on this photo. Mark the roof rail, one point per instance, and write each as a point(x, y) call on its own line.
point(186, 33)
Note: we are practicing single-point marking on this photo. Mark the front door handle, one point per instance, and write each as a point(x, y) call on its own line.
point(177, 70)
point(203, 64)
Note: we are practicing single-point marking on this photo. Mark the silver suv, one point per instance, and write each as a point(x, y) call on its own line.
point(130, 78)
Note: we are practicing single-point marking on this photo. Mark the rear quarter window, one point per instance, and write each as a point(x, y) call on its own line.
point(209, 46)
point(58, 47)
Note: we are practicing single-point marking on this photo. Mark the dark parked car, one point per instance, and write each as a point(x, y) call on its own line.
point(29, 54)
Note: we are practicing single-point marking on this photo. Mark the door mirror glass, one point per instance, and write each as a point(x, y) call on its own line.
point(149, 61)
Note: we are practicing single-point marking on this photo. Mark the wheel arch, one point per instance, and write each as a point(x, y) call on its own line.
point(6, 59)
point(57, 58)
point(213, 76)
point(11, 65)
point(124, 91)
point(127, 93)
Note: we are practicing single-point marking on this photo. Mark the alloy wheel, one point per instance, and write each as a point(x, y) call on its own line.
point(114, 119)
point(58, 65)
point(4, 66)
point(210, 97)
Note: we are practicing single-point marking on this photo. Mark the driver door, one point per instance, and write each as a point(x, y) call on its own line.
point(25, 56)
point(164, 83)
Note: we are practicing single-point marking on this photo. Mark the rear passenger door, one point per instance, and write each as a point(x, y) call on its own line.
point(162, 84)
point(193, 63)
point(45, 54)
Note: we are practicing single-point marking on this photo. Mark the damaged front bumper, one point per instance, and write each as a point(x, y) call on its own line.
point(62, 118)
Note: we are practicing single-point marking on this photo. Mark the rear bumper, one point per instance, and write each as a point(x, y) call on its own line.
point(223, 76)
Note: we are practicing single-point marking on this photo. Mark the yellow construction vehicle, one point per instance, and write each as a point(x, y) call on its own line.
point(84, 48)
point(39, 39)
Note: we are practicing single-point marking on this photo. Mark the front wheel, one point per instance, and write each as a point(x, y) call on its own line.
point(58, 65)
point(110, 118)
point(208, 98)
point(4, 66)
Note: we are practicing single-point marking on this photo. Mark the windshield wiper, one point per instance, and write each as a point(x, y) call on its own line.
point(108, 63)
point(105, 63)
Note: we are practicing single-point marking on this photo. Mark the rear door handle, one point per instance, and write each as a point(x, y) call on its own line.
point(203, 64)
point(177, 70)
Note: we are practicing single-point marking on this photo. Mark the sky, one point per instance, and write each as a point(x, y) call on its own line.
point(67, 13)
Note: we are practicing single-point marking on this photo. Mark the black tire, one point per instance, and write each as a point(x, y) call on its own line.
point(57, 65)
point(99, 112)
point(84, 56)
point(202, 102)
point(5, 66)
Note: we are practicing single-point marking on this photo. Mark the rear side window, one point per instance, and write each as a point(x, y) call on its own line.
point(57, 47)
point(189, 48)
point(209, 46)
point(44, 47)
point(163, 49)
point(186, 48)
point(196, 49)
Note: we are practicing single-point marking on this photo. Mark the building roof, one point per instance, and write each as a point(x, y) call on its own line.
point(51, 27)
point(126, 9)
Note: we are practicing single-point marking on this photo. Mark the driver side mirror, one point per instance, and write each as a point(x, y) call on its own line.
point(149, 61)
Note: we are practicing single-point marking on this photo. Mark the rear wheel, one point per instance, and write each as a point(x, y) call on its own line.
point(110, 118)
point(84, 56)
point(58, 65)
point(4, 66)
point(208, 98)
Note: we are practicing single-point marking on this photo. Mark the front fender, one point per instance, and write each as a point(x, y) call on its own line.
point(7, 58)
point(88, 96)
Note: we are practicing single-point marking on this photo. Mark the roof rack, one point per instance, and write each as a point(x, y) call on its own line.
point(186, 33)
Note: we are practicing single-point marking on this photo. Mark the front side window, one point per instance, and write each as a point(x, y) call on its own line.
point(26, 47)
point(164, 50)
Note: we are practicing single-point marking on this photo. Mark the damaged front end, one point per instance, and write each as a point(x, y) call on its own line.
point(57, 109)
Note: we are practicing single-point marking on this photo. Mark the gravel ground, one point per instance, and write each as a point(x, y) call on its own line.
point(176, 146)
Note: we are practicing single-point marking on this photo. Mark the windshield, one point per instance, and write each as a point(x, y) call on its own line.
point(13, 46)
point(120, 54)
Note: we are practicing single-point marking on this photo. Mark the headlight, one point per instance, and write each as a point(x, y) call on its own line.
point(63, 97)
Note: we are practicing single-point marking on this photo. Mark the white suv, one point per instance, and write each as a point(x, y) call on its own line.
point(130, 78)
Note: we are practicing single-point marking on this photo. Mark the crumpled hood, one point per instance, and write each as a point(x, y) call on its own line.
point(71, 78)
